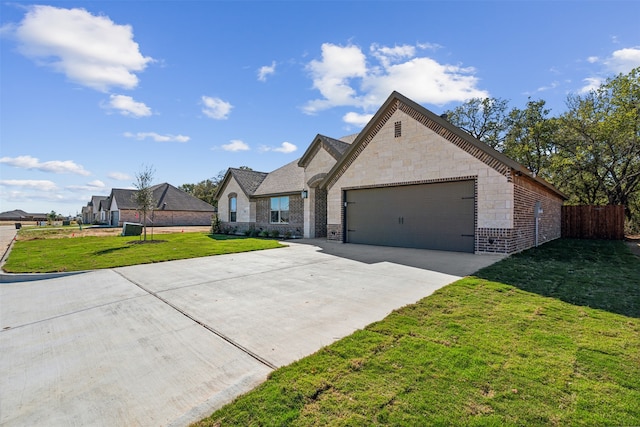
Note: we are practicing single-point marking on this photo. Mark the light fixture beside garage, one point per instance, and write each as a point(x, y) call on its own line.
point(304, 194)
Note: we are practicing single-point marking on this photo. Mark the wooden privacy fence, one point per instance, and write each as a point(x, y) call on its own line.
point(593, 222)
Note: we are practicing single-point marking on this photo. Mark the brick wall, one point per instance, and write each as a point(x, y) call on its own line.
point(167, 218)
point(296, 216)
point(320, 213)
point(523, 234)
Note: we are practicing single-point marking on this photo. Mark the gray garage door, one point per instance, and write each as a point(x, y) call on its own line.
point(436, 216)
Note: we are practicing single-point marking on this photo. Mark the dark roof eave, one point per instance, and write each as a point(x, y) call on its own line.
point(283, 193)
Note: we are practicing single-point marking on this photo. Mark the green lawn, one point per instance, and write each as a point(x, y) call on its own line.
point(547, 337)
point(43, 254)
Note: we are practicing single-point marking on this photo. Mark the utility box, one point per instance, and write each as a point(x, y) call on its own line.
point(131, 229)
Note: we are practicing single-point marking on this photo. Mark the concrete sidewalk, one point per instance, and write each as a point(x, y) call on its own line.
point(168, 343)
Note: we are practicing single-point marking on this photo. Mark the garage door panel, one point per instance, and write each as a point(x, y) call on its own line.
point(431, 216)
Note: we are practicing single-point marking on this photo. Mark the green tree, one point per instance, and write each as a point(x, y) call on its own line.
point(205, 190)
point(529, 137)
point(484, 119)
point(598, 144)
point(51, 217)
point(143, 197)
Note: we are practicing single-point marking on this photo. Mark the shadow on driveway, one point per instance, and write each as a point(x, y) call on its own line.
point(454, 263)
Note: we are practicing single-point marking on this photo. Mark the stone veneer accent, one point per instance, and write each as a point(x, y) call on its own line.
point(437, 128)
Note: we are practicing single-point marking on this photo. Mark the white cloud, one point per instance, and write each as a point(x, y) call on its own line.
point(235, 145)
point(89, 186)
point(621, 61)
point(216, 108)
point(345, 77)
point(157, 137)
point(592, 83)
point(333, 74)
point(128, 106)
point(551, 86)
point(43, 185)
point(387, 55)
point(357, 119)
point(266, 70)
point(53, 166)
point(425, 81)
point(119, 176)
point(285, 147)
point(90, 50)
point(624, 60)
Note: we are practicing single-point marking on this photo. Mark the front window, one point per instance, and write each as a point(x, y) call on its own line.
point(232, 209)
point(280, 210)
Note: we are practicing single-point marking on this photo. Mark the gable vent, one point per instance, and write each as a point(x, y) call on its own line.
point(397, 129)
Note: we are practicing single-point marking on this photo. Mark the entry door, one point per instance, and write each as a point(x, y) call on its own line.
point(438, 216)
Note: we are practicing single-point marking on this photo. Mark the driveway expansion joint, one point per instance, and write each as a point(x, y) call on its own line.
point(204, 325)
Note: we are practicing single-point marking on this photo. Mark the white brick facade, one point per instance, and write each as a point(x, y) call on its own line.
point(421, 155)
point(244, 207)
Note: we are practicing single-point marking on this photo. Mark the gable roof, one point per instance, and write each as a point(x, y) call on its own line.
point(335, 147)
point(95, 201)
point(248, 181)
point(442, 127)
point(166, 197)
point(285, 180)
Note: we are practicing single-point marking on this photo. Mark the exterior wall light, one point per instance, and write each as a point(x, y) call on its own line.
point(304, 194)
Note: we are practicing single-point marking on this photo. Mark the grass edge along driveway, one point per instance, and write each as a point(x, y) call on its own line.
point(546, 337)
point(46, 255)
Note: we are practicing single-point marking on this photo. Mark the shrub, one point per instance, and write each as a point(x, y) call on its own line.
point(275, 233)
point(288, 235)
point(264, 233)
point(215, 224)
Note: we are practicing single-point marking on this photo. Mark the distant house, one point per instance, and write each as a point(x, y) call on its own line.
point(172, 207)
point(410, 179)
point(20, 215)
point(91, 212)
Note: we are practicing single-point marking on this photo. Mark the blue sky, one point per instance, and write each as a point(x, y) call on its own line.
point(91, 92)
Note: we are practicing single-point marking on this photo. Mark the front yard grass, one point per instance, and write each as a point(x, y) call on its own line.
point(547, 337)
point(53, 252)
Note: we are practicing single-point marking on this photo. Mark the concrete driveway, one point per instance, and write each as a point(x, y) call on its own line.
point(168, 343)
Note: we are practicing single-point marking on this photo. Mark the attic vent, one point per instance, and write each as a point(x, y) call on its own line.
point(397, 129)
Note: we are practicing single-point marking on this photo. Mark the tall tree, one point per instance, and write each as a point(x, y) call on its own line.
point(529, 137)
point(143, 197)
point(599, 143)
point(485, 119)
point(205, 190)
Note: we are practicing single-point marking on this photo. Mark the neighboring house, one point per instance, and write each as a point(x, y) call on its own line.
point(91, 212)
point(172, 207)
point(410, 179)
point(20, 215)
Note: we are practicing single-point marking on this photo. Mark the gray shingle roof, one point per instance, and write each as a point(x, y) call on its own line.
point(287, 179)
point(95, 201)
point(166, 197)
point(335, 147)
point(248, 180)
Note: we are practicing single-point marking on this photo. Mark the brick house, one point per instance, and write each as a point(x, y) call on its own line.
point(410, 179)
point(172, 207)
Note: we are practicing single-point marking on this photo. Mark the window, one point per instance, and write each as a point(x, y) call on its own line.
point(280, 210)
point(397, 129)
point(233, 208)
